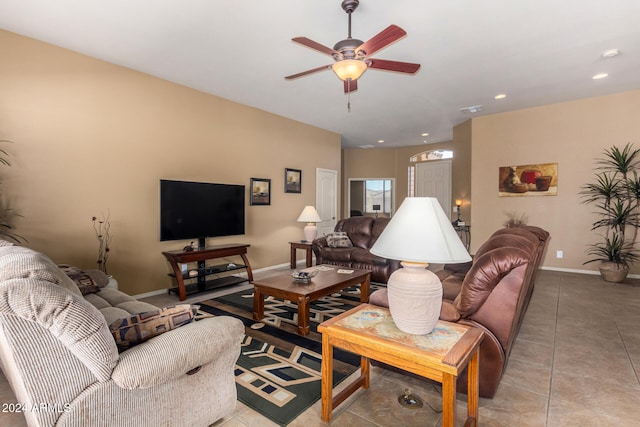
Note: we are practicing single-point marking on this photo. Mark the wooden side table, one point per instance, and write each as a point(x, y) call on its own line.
point(441, 355)
point(300, 245)
point(464, 231)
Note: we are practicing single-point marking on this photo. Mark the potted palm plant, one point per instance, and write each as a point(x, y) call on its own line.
point(615, 193)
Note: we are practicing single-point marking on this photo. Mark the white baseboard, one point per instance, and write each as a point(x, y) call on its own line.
point(591, 272)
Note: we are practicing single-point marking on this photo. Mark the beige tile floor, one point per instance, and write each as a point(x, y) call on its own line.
point(576, 362)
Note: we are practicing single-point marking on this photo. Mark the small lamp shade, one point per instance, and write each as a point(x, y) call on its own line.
point(310, 216)
point(419, 233)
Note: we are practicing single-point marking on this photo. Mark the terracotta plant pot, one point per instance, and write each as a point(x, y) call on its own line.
point(612, 272)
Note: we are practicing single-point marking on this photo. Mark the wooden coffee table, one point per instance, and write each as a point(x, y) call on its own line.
point(324, 283)
point(441, 355)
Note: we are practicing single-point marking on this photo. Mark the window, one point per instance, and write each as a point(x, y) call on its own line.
point(365, 194)
point(377, 195)
point(431, 155)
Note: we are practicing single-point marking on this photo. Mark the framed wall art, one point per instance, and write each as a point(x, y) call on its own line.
point(260, 191)
point(292, 180)
point(528, 180)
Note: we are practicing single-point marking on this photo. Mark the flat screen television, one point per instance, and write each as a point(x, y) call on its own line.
point(197, 210)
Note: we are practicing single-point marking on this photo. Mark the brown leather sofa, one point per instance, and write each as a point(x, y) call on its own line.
point(491, 293)
point(363, 231)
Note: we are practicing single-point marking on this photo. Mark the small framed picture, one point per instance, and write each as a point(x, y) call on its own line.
point(260, 191)
point(292, 180)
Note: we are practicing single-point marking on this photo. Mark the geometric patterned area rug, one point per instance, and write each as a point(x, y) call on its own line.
point(278, 372)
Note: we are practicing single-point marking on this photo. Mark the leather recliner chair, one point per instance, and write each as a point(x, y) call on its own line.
point(492, 294)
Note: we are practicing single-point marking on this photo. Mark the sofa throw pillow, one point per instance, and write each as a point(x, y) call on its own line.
point(84, 281)
point(339, 239)
point(138, 328)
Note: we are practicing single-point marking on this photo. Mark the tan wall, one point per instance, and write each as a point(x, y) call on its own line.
point(394, 163)
point(92, 137)
point(571, 134)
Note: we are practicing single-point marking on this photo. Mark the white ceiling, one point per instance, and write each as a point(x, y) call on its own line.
point(535, 51)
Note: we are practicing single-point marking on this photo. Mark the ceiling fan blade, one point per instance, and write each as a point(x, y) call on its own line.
point(350, 86)
point(315, 46)
point(381, 40)
point(397, 66)
point(306, 73)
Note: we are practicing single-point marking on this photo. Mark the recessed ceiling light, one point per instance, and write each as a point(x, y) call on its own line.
point(424, 134)
point(500, 96)
point(380, 141)
point(472, 109)
point(599, 76)
point(610, 53)
point(366, 146)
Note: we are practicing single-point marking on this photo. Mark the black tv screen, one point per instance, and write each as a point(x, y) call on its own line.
point(190, 210)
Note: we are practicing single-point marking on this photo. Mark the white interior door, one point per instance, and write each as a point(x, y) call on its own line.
point(326, 200)
point(433, 179)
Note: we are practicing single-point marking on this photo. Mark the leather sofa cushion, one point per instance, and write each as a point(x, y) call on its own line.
point(539, 233)
point(365, 257)
point(486, 273)
point(337, 254)
point(451, 284)
point(358, 229)
point(527, 243)
point(378, 227)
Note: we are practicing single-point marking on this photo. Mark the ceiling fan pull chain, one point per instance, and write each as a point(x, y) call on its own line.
point(349, 96)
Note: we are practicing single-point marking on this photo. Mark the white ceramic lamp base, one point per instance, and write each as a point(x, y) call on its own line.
point(415, 298)
point(310, 232)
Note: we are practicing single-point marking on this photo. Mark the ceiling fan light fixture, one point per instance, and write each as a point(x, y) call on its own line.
point(349, 69)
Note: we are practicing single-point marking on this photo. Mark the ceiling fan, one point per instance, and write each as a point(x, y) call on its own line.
point(353, 57)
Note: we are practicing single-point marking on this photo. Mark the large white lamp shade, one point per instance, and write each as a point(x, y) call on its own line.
point(418, 234)
point(311, 217)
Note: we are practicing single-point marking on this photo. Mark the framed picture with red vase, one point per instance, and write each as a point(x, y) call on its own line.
point(528, 180)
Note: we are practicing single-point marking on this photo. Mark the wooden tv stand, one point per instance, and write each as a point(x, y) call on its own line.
point(203, 283)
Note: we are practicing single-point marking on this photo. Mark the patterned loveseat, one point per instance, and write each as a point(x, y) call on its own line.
point(62, 363)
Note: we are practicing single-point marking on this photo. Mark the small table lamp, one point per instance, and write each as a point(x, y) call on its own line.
point(457, 210)
point(310, 216)
point(419, 233)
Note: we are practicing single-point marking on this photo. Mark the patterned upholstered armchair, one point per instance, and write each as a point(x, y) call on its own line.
point(61, 360)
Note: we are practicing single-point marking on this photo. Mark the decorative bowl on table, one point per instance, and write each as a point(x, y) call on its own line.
point(303, 276)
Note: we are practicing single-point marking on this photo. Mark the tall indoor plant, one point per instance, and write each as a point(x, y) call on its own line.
point(615, 193)
point(7, 214)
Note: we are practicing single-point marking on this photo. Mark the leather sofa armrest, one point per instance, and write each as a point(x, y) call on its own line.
point(458, 268)
point(317, 245)
point(174, 353)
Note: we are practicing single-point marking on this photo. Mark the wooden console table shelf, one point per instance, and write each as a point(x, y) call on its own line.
point(200, 256)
